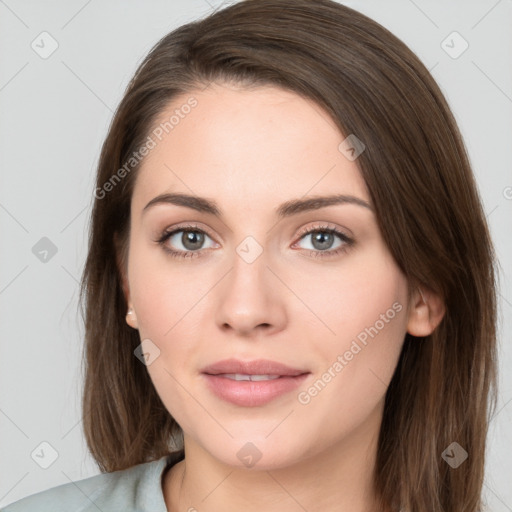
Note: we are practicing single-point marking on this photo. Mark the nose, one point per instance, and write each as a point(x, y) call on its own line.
point(250, 299)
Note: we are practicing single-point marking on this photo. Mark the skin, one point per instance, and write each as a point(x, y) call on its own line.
point(250, 151)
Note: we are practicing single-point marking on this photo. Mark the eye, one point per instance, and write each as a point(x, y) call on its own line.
point(322, 240)
point(191, 238)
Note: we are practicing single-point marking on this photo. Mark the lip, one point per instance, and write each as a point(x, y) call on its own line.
point(254, 367)
point(252, 393)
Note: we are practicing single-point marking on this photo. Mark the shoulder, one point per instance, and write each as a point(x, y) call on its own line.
point(137, 488)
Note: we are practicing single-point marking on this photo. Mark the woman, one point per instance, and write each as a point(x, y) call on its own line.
point(289, 292)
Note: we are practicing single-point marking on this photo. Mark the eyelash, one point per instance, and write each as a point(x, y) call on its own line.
point(348, 242)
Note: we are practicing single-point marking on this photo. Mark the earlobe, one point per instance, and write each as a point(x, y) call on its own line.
point(131, 318)
point(425, 313)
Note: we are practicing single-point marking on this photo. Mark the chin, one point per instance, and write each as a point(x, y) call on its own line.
point(258, 453)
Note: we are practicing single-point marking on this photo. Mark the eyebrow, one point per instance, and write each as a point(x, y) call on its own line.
point(287, 209)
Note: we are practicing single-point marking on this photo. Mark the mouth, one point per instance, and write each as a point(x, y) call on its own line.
point(256, 367)
point(252, 383)
point(243, 376)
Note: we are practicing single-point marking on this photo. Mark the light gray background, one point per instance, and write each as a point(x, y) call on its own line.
point(54, 116)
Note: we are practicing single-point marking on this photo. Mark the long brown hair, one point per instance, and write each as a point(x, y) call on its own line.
point(429, 212)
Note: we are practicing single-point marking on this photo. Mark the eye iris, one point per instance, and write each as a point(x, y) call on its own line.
point(194, 238)
point(320, 237)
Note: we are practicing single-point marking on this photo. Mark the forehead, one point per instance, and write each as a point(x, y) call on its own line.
point(263, 144)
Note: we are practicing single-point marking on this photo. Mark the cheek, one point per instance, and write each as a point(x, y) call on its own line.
point(163, 294)
point(366, 307)
point(162, 290)
point(364, 304)
point(346, 299)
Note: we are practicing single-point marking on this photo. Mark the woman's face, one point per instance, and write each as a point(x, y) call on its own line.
point(248, 283)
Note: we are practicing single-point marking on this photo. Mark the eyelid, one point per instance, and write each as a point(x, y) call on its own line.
point(324, 226)
point(190, 226)
point(303, 231)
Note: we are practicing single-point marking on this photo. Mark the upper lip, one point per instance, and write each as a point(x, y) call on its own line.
point(254, 367)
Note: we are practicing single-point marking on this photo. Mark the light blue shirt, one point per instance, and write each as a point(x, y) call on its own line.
point(136, 489)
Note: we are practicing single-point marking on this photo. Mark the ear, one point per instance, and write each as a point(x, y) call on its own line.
point(131, 317)
point(426, 310)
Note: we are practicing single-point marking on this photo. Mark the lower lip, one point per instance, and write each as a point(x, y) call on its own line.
point(248, 393)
